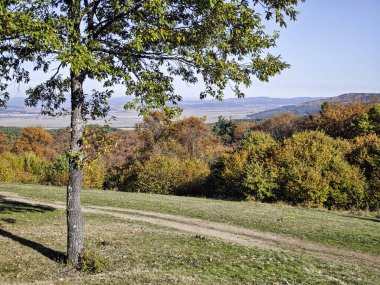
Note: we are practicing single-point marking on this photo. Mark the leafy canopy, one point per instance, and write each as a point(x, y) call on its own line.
point(142, 45)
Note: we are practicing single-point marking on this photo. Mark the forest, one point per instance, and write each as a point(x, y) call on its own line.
point(330, 159)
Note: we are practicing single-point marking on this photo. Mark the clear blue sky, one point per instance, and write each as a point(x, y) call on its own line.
point(333, 48)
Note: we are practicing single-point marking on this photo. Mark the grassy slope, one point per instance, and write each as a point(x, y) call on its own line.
point(340, 229)
point(144, 254)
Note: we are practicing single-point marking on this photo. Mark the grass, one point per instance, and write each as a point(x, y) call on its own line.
point(333, 228)
point(32, 239)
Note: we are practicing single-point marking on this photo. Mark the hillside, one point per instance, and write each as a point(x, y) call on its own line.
point(310, 107)
point(199, 241)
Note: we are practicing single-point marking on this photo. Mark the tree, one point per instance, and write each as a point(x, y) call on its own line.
point(4, 145)
point(335, 119)
point(281, 126)
point(225, 128)
point(142, 45)
point(34, 139)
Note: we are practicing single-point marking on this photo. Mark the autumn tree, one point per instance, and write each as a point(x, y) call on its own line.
point(335, 119)
point(4, 145)
point(142, 45)
point(192, 133)
point(34, 139)
point(281, 126)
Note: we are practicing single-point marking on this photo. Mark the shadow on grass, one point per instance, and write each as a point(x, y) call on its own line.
point(369, 219)
point(7, 205)
point(52, 254)
point(10, 206)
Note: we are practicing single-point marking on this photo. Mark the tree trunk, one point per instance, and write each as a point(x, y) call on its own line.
point(75, 235)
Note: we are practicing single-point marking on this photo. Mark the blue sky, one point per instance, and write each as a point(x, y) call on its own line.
point(333, 48)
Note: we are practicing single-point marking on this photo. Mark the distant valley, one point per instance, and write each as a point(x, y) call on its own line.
point(16, 114)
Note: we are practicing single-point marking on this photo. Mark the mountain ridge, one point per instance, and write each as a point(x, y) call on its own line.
point(310, 107)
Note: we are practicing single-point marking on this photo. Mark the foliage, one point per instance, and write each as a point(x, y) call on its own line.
point(225, 128)
point(36, 166)
point(167, 175)
point(12, 132)
point(58, 172)
point(248, 171)
point(189, 137)
point(133, 42)
point(313, 171)
point(142, 45)
point(335, 119)
point(366, 155)
point(367, 123)
point(93, 175)
point(25, 168)
point(11, 168)
point(34, 139)
point(281, 126)
point(4, 142)
point(91, 261)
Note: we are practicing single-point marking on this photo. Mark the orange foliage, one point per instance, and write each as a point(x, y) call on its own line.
point(4, 143)
point(34, 139)
point(281, 126)
point(335, 119)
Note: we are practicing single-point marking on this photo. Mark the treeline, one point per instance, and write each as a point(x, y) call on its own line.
point(330, 159)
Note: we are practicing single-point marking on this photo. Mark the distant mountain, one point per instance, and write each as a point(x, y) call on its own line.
point(254, 102)
point(16, 104)
point(310, 107)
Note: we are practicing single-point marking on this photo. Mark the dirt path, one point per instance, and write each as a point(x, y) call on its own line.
point(226, 232)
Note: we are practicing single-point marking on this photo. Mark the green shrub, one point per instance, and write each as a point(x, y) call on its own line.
point(247, 172)
point(225, 129)
point(167, 175)
point(313, 171)
point(12, 168)
point(37, 167)
point(366, 155)
point(58, 174)
point(346, 186)
point(92, 262)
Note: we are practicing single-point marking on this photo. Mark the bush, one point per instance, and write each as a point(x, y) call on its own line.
point(92, 262)
point(167, 175)
point(93, 175)
point(26, 168)
point(37, 167)
point(313, 171)
point(12, 168)
point(58, 174)
point(366, 155)
point(248, 172)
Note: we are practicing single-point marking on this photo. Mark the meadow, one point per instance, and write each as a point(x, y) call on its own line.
point(137, 234)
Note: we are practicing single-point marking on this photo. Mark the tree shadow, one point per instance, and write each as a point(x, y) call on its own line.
point(10, 206)
point(369, 219)
point(52, 254)
point(7, 205)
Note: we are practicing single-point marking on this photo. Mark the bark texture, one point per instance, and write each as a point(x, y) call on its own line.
point(75, 234)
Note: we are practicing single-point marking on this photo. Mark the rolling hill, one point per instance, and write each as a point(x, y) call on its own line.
point(310, 107)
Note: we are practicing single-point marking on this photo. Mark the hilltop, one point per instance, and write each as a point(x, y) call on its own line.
point(310, 107)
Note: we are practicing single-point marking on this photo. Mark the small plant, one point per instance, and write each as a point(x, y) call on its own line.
point(92, 262)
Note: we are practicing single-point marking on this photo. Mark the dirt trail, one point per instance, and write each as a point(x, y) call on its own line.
point(226, 232)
